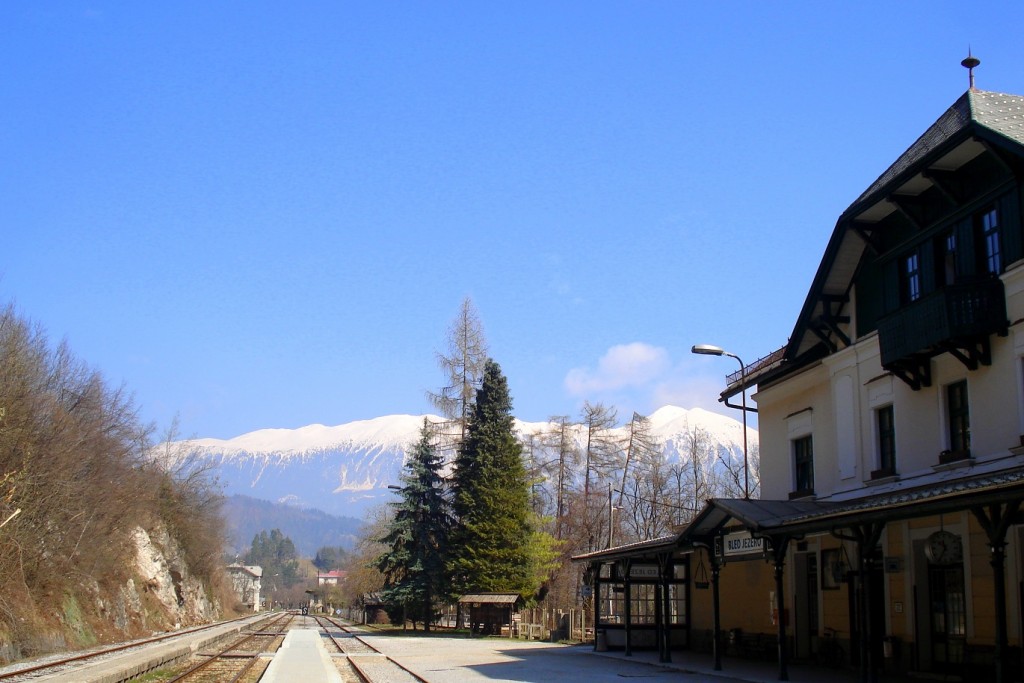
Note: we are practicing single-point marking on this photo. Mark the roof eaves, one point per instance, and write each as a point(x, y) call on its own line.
point(661, 543)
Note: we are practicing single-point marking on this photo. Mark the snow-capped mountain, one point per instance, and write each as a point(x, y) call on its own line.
point(347, 468)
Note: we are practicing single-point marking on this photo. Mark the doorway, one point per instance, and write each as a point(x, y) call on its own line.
point(948, 607)
point(940, 612)
point(876, 610)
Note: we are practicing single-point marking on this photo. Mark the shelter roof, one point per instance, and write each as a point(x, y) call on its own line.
point(947, 491)
point(638, 549)
point(942, 491)
point(491, 598)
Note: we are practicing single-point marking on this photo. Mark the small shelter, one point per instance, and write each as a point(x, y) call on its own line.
point(374, 611)
point(489, 613)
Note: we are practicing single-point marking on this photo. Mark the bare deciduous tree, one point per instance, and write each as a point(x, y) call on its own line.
point(566, 456)
point(463, 366)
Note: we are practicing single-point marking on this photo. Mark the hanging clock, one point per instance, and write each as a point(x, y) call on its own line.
point(943, 547)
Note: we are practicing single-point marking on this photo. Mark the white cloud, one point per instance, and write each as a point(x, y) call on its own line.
point(624, 365)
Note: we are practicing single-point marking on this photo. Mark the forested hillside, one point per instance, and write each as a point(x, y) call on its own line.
point(309, 529)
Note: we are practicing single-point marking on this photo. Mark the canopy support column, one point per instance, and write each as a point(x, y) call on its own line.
point(596, 597)
point(665, 620)
point(996, 521)
point(627, 586)
point(716, 636)
point(779, 546)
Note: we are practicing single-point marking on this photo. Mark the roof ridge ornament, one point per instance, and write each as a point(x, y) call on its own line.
point(969, 63)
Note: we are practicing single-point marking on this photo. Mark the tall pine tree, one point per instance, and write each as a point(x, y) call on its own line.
point(495, 545)
point(414, 565)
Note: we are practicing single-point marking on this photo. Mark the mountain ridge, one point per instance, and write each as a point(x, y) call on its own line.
point(346, 469)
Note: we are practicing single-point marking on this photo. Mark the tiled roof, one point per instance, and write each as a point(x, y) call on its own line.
point(1001, 113)
point(945, 494)
point(989, 482)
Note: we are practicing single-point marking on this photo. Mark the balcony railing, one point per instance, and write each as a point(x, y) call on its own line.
point(763, 364)
point(946, 316)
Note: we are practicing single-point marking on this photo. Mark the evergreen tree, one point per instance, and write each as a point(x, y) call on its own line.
point(417, 538)
point(276, 554)
point(495, 545)
point(330, 557)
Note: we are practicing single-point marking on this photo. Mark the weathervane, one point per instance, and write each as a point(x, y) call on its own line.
point(969, 63)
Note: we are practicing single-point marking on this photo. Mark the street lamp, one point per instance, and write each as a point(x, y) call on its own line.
point(709, 350)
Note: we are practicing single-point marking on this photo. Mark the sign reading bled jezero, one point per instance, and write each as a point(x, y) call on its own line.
point(643, 571)
point(741, 543)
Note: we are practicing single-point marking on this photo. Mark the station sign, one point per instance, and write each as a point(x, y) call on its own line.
point(643, 571)
point(740, 544)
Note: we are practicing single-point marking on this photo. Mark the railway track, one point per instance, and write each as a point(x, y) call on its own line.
point(241, 661)
point(57, 664)
point(366, 664)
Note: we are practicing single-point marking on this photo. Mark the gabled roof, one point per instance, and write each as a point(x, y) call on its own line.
point(754, 515)
point(251, 570)
point(999, 113)
point(976, 120)
point(333, 574)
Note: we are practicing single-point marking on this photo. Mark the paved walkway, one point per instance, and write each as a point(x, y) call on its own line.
point(445, 659)
point(302, 657)
point(744, 670)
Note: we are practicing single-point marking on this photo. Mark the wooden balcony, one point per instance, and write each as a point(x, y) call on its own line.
point(956, 319)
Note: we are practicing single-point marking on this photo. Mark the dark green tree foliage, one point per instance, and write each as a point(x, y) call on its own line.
point(493, 539)
point(330, 557)
point(414, 565)
point(275, 552)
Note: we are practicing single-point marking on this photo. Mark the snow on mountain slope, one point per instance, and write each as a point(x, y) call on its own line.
point(347, 468)
point(381, 433)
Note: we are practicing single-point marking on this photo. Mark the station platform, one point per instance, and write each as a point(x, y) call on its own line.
point(701, 667)
point(302, 657)
point(129, 665)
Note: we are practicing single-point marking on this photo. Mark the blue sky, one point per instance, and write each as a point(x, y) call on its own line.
point(267, 214)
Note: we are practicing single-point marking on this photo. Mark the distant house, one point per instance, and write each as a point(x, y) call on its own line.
point(331, 578)
point(246, 581)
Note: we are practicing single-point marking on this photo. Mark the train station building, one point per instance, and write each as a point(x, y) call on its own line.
point(888, 536)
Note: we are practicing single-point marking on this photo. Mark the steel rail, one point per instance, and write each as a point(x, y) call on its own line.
point(110, 650)
point(367, 678)
point(223, 654)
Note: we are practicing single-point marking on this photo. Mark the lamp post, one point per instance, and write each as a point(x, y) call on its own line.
point(611, 516)
point(709, 350)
